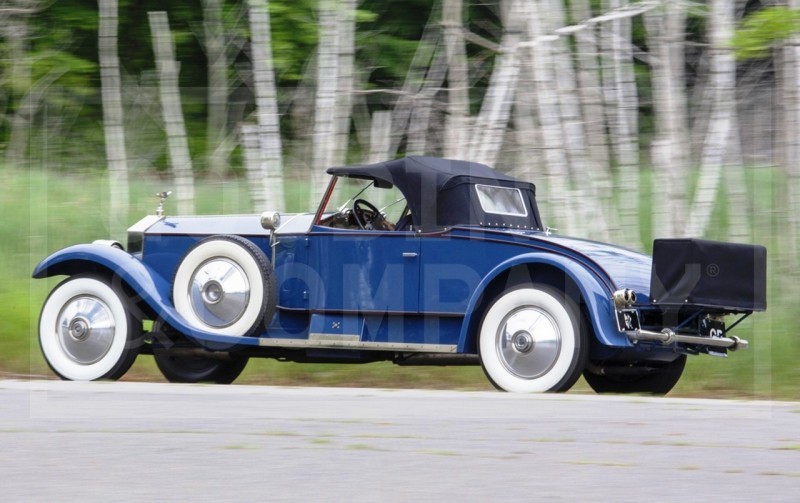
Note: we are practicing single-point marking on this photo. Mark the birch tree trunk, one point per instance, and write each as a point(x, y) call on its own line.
point(346, 79)
point(791, 89)
point(301, 112)
point(590, 88)
point(491, 123)
point(722, 81)
point(214, 41)
point(538, 52)
point(418, 130)
point(17, 36)
point(699, 104)
point(621, 109)
point(379, 145)
point(113, 125)
point(254, 167)
point(380, 137)
point(456, 125)
point(415, 79)
point(739, 207)
point(361, 118)
point(531, 164)
point(172, 112)
point(670, 156)
point(324, 140)
point(590, 93)
point(591, 219)
point(269, 134)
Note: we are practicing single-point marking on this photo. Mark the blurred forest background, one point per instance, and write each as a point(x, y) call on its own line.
point(635, 120)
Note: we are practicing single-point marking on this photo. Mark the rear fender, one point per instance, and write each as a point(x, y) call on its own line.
point(149, 287)
point(594, 293)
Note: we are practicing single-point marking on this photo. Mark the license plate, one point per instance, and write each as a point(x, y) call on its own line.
point(712, 328)
point(628, 320)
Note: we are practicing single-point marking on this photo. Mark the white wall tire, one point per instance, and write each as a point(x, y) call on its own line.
point(530, 341)
point(224, 285)
point(87, 332)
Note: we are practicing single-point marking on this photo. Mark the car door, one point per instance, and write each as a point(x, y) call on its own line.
point(451, 268)
point(365, 271)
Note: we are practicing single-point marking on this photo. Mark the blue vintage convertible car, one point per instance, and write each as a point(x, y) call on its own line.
point(417, 261)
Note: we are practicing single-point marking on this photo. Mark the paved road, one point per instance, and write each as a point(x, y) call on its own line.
point(102, 442)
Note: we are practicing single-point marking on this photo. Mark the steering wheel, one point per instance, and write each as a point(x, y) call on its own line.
point(367, 216)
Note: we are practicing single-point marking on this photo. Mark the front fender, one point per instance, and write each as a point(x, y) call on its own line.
point(79, 259)
point(595, 294)
point(149, 286)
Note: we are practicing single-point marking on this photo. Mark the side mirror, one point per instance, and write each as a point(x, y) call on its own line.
point(270, 220)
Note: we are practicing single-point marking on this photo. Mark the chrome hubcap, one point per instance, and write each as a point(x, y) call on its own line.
point(85, 329)
point(79, 329)
point(523, 342)
point(219, 292)
point(528, 342)
point(212, 292)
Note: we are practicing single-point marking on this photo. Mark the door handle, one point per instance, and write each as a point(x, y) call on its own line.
point(409, 255)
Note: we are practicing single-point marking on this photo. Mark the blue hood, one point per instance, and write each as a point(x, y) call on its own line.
point(627, 268)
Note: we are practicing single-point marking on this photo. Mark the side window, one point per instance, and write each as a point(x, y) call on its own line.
point(501, 200)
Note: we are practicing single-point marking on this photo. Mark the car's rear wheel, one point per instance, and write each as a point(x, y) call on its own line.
point(87, 330)
point(650, 379)
point(224, 285)
point(182, 368)
point(530, 340)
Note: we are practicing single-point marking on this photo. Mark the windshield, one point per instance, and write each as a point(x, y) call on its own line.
point(351, 194)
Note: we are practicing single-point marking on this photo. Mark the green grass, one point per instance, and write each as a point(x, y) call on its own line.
point(44, 211)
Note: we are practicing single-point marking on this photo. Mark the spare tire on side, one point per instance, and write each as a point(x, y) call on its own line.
point(225, 285)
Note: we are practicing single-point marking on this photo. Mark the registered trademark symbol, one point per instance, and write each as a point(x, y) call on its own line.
point(712, 270)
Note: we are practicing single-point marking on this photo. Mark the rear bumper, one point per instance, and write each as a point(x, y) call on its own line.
point(668, 337)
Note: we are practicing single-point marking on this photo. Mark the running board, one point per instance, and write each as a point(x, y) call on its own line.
point(326, 341)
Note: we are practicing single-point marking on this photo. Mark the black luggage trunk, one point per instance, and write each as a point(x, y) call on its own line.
point(725, 276)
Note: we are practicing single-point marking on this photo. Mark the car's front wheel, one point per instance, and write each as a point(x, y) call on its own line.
point(651, 379)
point(87, 331)
point(531, 340)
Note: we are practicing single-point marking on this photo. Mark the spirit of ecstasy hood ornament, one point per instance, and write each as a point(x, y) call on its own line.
point(162, 196)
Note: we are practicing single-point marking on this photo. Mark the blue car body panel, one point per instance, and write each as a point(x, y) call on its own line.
point(384, 283)
point(364, 271)
point(627, 268)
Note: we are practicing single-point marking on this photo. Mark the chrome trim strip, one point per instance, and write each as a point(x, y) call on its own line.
point(334, 337)
point(145, 223)
point(432, 314)
point(348, 344)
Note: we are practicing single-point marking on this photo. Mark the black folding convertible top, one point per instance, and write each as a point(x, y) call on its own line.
point(440, 192)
